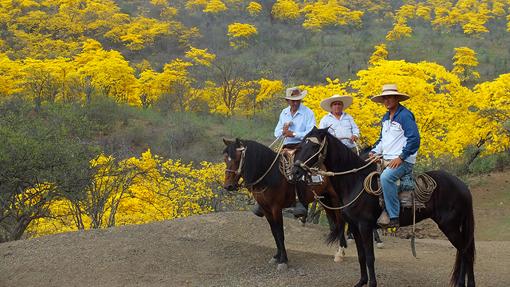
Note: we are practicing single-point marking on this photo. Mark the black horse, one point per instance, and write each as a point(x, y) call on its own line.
point(258, 165)
point(450, 205)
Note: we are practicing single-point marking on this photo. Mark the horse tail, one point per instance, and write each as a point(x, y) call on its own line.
point(336, 231)
point(468, 252)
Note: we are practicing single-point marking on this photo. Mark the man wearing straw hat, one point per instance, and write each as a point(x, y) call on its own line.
point(398, 144)
point(339, 123)
point(294, 123)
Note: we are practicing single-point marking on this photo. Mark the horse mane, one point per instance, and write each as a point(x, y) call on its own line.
point(258, 158)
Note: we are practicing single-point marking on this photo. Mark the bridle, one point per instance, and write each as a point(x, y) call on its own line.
point(241, 162)
point(321, 152)
point(240, 167)
point(238, 172)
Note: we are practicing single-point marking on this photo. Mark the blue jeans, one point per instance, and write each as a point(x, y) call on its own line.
point(389, 179)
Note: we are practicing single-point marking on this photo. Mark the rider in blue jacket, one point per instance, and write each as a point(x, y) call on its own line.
point(398, 144)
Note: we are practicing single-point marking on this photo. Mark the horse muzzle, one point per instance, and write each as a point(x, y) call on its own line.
point(298, 173)
point(231, 187)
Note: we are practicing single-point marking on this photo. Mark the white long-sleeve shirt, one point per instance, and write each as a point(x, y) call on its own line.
point(344, 127)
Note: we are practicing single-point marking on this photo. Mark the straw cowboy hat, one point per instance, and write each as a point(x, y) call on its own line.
point(300, 96)
point(390, 90)
point(326, 103)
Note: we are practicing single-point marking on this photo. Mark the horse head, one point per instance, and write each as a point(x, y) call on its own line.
point(311, 153)
point(233, 155)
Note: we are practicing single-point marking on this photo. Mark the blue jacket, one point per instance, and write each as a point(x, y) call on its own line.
point(399, 137)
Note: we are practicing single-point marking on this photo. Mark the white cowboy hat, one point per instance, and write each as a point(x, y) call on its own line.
point(390, 90)
point(300, 96)
point(326, 103)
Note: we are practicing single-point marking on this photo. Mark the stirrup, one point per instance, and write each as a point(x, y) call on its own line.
point(299, 210)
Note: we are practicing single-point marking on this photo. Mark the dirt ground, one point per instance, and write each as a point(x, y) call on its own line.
point(233, 249)
point(228, 249)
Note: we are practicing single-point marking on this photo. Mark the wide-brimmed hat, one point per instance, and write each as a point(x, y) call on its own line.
point(390, 90)
point(326, 103)
point(300, 96)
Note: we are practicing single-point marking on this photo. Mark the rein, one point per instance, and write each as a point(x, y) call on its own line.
point(367, 186)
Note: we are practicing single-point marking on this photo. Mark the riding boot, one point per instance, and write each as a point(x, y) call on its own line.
point(299, 210)
point(257, 210)
point(394, 223)
point(384, 219)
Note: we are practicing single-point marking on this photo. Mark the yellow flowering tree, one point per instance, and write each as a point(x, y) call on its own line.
point(48, 80)
point(380, 53)
point(464, 64)
point(254, 8)
point(240, 33)
point(135, 191)
point(200, 56)
point(399, 31)
point(139, 33)
point(491, 100)
point(323, 14)
point(286, 10)
point(215, 6)
point(10, 76)
point(108, 72)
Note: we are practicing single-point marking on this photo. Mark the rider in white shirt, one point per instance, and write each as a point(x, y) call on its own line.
point(339, 123)
point(295, 122)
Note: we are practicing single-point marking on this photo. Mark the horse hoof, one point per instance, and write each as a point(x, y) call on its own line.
point(379, 245)
point(282, 267)
point(350, 240)
point(340, 254)
point(272, 261)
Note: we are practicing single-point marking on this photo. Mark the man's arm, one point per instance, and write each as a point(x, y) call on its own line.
point(355, 129)
point(411, 133)
point(278, 130)
point(309, 124)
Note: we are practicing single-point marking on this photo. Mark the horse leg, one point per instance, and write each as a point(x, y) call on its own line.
point(274, 259)
point(358, 239)
point(377, 238)
point(340, 254)
point(469, 257)
point(367, 236)
point(454, 235)
point(276, 222)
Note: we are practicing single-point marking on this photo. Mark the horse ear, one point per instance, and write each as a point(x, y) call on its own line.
point(227, 141)
point(239, 143)
point(314, 128)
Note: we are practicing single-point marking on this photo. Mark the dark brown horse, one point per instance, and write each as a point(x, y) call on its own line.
point(450, 205)
point(258, 166)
